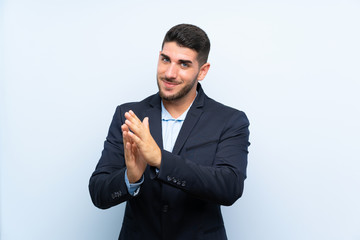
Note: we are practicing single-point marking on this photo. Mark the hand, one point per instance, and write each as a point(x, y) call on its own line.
point(141, 136)
point(135, 164)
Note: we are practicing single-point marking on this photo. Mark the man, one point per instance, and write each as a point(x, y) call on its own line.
point(176, 156)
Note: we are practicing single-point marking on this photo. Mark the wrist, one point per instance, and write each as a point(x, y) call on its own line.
point(132, 179)
point(158, 164)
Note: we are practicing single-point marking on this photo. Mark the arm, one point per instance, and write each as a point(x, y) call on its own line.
point(222, 181)
point(107, 184)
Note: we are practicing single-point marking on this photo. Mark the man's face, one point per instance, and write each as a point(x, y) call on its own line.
point(178, 72)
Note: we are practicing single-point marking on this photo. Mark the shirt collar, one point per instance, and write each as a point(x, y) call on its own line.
point(165, 115)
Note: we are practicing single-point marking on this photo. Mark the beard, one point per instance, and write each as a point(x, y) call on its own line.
point(182, 92)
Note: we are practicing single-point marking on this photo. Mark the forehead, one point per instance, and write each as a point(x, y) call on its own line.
point(176, 52)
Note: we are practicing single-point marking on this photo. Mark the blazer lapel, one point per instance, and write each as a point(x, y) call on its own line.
point(154, 114)
point(191, 119)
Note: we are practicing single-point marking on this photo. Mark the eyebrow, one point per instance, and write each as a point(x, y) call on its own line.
point(180, 61)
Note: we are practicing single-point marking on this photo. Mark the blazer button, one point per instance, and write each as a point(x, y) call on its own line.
point(168, 178)
point(174, 180)
point(183, 183)
point(116, 194)
point(165, 208)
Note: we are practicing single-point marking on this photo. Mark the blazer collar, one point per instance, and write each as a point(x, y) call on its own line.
point(200, 98)
point(154, 114)
point(191, 119)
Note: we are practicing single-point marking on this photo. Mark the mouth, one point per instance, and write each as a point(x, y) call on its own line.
point(169, 84)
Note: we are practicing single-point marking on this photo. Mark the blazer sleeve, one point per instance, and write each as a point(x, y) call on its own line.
point(222, 182)
point(107, 183)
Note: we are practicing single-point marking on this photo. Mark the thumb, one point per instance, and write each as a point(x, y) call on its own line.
point(146, 122)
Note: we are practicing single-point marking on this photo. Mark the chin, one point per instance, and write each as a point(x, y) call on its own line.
point(167, 97)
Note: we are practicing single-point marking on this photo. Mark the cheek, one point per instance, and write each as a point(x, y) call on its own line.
point(188, 76)
point(161, 69)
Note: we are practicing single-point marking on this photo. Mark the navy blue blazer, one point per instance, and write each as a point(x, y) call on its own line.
point(206, 169)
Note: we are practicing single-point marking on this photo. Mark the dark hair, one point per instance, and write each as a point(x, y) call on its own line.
point(190, 36)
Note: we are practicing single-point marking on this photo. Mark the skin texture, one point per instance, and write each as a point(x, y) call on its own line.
point(178, 73)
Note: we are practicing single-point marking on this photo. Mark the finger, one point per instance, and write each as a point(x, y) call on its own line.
point(146, 122)
point(128, 154)
point(125, 137)
point(134, 116)
point(135, 139)
point(131, 122)
point(134, 148)
point(124, 127)
point(125, 132)
point(135, 122)
point(135, 125)
point(131, 116)
point(135, 128)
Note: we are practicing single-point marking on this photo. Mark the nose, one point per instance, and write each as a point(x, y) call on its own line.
point(171, 71)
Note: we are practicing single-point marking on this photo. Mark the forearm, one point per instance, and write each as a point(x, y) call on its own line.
point(222, 184)
point(212, 168)
point(108, 188)
point(107, 183)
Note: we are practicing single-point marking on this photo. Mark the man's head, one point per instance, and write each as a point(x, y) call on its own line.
point(182, 63)
point(190, 36)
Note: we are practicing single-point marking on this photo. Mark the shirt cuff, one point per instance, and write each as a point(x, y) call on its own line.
point(133, 188)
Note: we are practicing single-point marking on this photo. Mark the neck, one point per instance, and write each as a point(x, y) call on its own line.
point(177, 107)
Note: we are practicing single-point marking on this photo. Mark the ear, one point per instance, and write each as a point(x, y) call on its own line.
point(203, 71)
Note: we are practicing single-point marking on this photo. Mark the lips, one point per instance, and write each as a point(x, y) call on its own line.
point(170, 84)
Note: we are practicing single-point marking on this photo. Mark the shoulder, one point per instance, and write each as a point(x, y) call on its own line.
point(216, 110)
point(140, 105)
point(224, 112)
point(139, 108)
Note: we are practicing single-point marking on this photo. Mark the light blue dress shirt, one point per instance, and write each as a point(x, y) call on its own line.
point(170, 127)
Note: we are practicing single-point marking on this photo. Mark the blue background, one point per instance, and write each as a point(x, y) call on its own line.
point(292, 66)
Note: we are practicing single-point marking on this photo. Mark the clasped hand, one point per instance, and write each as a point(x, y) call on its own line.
point(140, 147)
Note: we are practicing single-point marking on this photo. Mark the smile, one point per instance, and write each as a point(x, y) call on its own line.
point(170, 83)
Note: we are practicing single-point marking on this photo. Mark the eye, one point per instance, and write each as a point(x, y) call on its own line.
point(184, 65)
point(165, 59)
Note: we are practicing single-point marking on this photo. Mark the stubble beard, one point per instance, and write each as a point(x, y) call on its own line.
point(182, 93)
